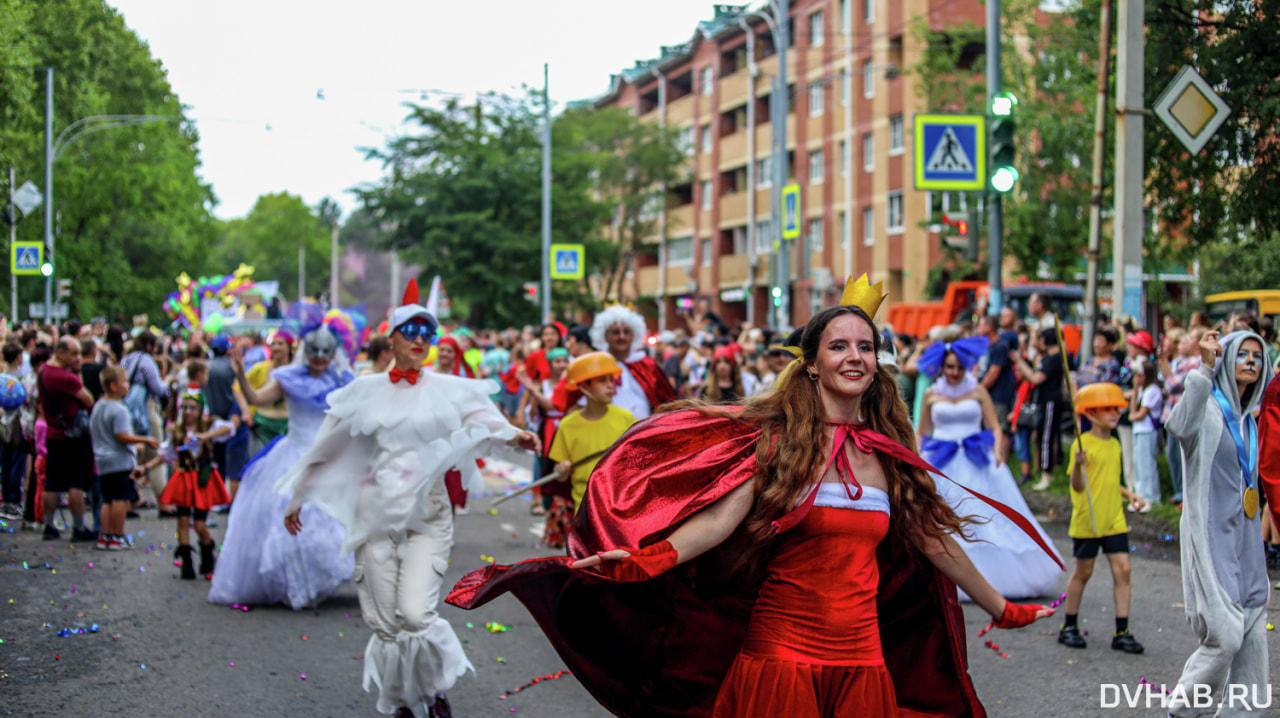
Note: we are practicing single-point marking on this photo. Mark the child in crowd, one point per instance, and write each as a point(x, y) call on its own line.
point(543, 418)
point(113, 439)
point(1147, 402)
point(585, 435)
point(1097, 517)
point(196, 486)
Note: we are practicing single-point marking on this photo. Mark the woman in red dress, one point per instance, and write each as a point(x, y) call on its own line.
point(831, 528)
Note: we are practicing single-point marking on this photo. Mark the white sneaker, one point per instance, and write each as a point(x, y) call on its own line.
point(11, 511)
point(1041, 485)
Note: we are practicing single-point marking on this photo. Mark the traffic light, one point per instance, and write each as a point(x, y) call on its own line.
point(1003, 152)
point(531, 292)
point(46, 269)
point(965, 238)
point(64, 289)
point(777, 296)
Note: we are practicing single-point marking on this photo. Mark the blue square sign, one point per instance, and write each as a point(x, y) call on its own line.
point(950, 152)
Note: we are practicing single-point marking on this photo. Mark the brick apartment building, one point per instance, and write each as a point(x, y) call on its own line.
point(850, 152)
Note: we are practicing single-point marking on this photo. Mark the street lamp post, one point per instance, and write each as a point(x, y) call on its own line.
point(53, 149)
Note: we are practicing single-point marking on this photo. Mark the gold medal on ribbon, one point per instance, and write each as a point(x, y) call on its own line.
point(1250, 502)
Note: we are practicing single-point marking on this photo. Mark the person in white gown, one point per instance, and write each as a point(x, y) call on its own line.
point(260, 562)
point(952, 437)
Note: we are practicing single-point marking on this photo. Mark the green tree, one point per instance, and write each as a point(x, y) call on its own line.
point(269, 237)
point(133, 210)
point(462, 198)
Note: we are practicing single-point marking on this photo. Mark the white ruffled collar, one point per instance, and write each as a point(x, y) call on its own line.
point(954, 392)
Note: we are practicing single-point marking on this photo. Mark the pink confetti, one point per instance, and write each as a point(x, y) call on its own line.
point(303, 676)
point(1061, 600)
point(1143, 681)
point(233, 664)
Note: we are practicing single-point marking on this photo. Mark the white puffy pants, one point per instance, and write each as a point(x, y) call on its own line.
point(413, 653)
point(1232, 661)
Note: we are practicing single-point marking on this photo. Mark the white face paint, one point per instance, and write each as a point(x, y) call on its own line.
point(321, 344)
point(1245, 357)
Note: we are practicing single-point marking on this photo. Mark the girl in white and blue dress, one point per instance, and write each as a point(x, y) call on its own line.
point(260, 562)
point(952, 438)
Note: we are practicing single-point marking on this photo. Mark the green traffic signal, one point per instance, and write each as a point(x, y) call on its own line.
point(46, 269)
point(1003, 152)
point(1002, 105)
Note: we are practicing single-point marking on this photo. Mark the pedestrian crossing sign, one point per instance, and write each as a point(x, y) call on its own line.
point(26, 257)
point(567, 261)
point(950, 152)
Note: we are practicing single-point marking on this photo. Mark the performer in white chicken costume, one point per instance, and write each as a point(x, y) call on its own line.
point(378, 466)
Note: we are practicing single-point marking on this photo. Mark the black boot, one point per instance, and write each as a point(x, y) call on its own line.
point(207, 560)
point(183, 552)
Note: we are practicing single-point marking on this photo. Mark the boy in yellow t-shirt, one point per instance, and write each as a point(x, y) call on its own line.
point(1097, 513)
point(584, 435)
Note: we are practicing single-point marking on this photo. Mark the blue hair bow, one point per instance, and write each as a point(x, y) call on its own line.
point(968, 350)
point(976, 446)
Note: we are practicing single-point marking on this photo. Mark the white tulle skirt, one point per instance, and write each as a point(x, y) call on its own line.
point(260, 562)
point(1004, 555)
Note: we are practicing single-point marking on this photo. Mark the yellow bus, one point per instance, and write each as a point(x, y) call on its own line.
point(1262, 302)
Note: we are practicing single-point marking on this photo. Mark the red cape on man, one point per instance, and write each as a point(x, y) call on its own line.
point(662, 647)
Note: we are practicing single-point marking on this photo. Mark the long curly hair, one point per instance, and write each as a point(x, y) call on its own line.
point(794, 446)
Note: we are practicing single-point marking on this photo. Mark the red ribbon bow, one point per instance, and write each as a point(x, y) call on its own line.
point(409, 376)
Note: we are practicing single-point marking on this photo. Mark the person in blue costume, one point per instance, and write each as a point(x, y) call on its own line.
point(952, 437)
point(260, 562)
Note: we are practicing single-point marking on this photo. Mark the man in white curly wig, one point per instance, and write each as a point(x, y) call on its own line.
point(643, 386)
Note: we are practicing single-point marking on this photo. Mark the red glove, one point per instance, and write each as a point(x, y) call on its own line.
point(643, 564)
point(1017, 615)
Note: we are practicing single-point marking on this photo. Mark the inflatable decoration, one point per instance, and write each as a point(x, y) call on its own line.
point(183, 306)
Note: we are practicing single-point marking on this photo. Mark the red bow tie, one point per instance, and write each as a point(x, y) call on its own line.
point(409, 376)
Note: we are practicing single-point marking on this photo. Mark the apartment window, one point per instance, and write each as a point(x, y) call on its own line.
point(869, 11)
point(844, 227)
point(895, 213)
point(680, 251)
point(844, 16)
point(706, 194)
point(817, 36)
point(895, 134)
point(941, 203)
point(764, 172)
point(708, 80)
point(868, 152)
point(815, 234)
point(817, 172)
point(739, 240)
point(868, 79)
point(706, 253)
point(846, 88)
point(868, 226)
point(706, 139)
point(763, 232)
point(844, 158)
point(816, 106)
point(687, 143)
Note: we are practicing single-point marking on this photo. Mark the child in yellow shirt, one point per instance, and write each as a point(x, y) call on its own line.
point(1097, 513)
point(585, 435)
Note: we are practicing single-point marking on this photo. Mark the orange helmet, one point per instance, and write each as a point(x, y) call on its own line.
point(1103, 395)
point(591, 366)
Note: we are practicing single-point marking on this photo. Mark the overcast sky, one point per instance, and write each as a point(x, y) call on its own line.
point(251, 71)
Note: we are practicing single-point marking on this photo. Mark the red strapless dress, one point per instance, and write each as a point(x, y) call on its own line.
point(813, 642)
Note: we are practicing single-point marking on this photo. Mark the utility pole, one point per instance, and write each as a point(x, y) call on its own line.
point(1095, 201)
point(995, 219)
point(13, 237)
point(48, 192)
point(334, 299)
point(781, 255)
point(302, 270)
point(546, 192)
point(1126, 263)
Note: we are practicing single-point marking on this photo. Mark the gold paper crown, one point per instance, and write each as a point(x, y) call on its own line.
point(864, 295)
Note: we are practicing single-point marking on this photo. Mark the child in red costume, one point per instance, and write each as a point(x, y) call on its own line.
point(1269, 449)
point(759, 526)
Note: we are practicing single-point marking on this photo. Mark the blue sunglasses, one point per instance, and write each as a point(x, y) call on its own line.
point(412, 330)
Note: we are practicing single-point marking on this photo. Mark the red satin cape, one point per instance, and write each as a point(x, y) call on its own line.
point(663, 647)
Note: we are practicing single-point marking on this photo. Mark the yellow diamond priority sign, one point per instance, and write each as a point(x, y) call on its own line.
point(1191, 109)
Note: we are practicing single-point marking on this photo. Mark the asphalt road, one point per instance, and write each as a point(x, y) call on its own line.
point(162, 650)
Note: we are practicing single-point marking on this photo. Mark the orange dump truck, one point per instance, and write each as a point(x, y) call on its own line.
point(963, 299)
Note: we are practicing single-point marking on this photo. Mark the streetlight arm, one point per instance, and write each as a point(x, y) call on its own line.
point(82, 127)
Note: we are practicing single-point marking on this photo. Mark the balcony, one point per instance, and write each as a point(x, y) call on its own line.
point(680, 111)
point(764, 137)
point(733, 270)
point(733, 209)
point(733, 150)
point(733, 89)
point(680, 220)
point(679, 279)
point(647, 279)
